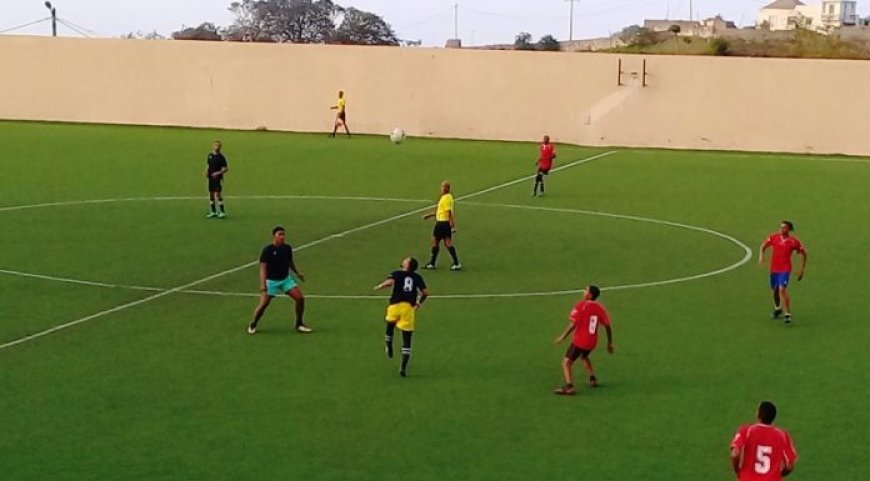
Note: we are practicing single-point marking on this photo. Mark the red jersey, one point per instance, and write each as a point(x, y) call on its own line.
point(545, 159)
point(765, 450)
point(587, 316)
point(780, 261)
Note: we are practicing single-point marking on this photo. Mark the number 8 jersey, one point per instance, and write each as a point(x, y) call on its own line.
point(765, 450)
point(587, 316)
point(406, 287)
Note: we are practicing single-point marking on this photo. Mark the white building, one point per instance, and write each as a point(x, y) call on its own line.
point(789, 14)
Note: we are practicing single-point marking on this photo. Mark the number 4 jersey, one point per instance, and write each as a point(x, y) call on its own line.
point(405, 287)
point(586, 316)
point(765, 450)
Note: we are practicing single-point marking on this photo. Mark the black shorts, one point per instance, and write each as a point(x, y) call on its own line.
point(573, 353)
point(214, 185)
point(544, 171)
point(442, 230)
point(342, 116)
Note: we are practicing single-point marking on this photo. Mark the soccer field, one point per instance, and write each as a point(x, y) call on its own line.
point(152, 376)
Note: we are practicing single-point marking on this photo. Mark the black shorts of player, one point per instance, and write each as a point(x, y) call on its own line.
point(214, 185)
point(442, 230)
point(342, 116)
point(573, 353)
point(544, 171)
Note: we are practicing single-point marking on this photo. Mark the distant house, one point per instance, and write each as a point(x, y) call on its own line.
point(791, 14)
point(710, 27)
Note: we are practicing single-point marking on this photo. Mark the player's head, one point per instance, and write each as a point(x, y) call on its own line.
point(410, 264)
point(766, 412)
point(786, 227)
point(546, 139)
point(445, 187)
point(592, 293)
point(216, 146)
point(341, 94)
point(278, 234)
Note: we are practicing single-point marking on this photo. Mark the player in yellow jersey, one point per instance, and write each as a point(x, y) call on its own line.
point(341, 114)
point(445, 227)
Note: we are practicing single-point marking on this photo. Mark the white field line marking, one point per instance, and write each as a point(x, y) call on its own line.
point(746, 250)
point(183, 287)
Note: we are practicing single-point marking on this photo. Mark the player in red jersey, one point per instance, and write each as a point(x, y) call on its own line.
point(585, 318)
point(545, 162)
point(783, 244)
point(761, 452)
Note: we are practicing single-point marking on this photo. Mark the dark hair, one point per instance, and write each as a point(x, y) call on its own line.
point(594, 291)
point(790, 224)
point(277, 229)
point(766, 412)
point(413, 264)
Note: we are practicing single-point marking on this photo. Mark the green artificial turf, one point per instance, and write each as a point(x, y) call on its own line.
point(172, 388)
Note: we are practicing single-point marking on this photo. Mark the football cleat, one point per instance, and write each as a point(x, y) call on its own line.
point(252, 329)
point(565, 391)
point(776, 313)
point(788, 318)
point(429, 267)
point(222, 215)
point(456, 267)
point(211, 215)
point(303, 329)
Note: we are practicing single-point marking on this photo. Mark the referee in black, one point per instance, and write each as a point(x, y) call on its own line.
point(276, 262)
point(216, 167)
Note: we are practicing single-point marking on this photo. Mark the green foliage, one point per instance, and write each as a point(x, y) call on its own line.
point(364, 28)
point(205, 31)
point(719, 46)
point(523, 41)
point(674, 29)
point(549, 43)
point(173, 389)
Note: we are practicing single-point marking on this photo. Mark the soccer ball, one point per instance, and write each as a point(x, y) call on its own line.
point(397, 136)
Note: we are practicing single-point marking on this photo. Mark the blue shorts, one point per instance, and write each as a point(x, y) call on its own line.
point(779, 279)
point(276, 288)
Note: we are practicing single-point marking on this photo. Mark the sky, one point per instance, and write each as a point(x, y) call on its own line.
point(432, 21)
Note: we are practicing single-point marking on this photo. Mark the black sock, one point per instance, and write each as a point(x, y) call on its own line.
point(569, 385)
point(776, 299)
point(452, 251)
point(434, 255)
point(221, 204)
point(388, 338)
point(211, 204)
point(406, 349)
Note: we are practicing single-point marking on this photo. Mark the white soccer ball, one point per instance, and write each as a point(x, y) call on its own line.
point(397, 136)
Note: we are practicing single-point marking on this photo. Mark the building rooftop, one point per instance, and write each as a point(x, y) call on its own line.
point(783, 5)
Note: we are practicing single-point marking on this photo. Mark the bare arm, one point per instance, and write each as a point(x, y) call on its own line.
point(296, 271)
point(428, 216)
point(761, 251)
point(262, 277)
point(565, 334)
point(609, 332)
point(387, 283)
point(424, 294)
point(452, 221)
point(787, 469)
point(803, 264)
point(735, 459)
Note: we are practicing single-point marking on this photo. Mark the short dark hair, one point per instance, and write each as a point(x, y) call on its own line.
point(766, 412)
point(594, 291)
point(790, 224)
point(413, 264)
point(277, 229)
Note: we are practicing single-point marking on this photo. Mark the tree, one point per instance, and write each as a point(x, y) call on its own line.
point(523, 41)
point(549, 43)
point(205, 31)
point(297, 21)
point(637, 35)
point(674, 29)
point(364, 28)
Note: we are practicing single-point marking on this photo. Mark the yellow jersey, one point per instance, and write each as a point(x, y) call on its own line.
point(445, 206)
point(341, 104)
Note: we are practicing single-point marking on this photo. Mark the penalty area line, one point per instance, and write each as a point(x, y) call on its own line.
point(246, 265)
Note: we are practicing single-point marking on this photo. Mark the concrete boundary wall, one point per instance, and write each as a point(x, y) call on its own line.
point(782, 105)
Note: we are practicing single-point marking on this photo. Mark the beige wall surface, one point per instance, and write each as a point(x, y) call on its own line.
point(690, 102)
